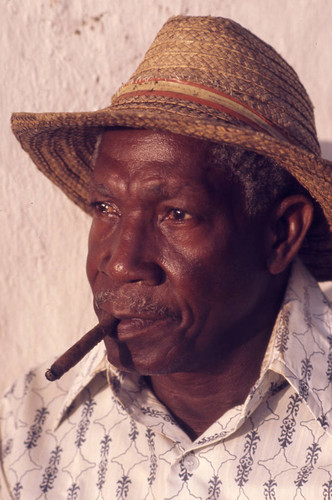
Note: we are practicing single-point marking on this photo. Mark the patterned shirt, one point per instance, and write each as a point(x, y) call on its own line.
point(99, 433)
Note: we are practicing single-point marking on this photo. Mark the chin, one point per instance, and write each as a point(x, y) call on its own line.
point(146, 362)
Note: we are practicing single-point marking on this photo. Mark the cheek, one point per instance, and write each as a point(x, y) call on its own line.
point(218, 269)
point(90, 269)
point(195, 249)
point(196, 271)
point(93, 256)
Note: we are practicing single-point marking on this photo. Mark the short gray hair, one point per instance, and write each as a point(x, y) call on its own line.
point(263, 181)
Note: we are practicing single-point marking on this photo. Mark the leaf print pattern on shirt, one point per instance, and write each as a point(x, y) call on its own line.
point(283, 332)
point(83, 426)
point(36, 428)
point(184, 474)
point(310, 460)
point(51, 470)
point(17, 491)
point(27, 381)
point(327, 490)
point(289, 422)
point(123, 487)
point(133, 431)
point(7, 447)
point(152, 412)
point(306, 371)
point(246, 461)
point(73, 492)
point(153, 457)
point(329, 361)
point(214, 488)
point(102, 468)
point(269, 490)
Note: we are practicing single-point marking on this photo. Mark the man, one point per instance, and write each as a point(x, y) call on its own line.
point(205, 183)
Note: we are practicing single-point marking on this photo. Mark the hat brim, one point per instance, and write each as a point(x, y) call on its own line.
point(62, 144)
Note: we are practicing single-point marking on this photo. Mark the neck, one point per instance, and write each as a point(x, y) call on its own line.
point(198, 399)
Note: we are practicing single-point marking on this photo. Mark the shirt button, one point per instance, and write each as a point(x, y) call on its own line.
point(191, 462)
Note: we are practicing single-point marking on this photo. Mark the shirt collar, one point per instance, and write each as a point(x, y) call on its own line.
point(299, 350)
point(80, 376)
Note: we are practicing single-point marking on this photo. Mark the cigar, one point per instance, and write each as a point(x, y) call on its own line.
point(76, 352)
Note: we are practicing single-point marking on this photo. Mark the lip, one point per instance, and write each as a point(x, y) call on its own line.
point(132, 327)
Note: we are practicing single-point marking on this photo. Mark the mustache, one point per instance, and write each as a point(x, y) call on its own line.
point(134, 304)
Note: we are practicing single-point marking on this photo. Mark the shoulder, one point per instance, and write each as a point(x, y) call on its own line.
point(32, 392)
point(41, 421)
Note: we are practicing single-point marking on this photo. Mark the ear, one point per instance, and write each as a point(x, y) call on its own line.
point(287, 227)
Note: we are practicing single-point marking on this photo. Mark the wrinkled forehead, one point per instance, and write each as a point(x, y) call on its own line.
point(142, 148)
point(157, 145)
point(161, 160)
point(145, 138)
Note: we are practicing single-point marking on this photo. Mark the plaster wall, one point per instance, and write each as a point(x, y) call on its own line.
point(61, 55)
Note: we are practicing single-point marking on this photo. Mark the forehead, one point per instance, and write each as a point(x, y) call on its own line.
point(143, 145)
point(148, 154)
point(163, 163)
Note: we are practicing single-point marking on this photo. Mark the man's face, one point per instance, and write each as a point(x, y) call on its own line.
point(171, 254)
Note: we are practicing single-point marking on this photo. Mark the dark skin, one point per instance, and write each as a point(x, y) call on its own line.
point(195, 282)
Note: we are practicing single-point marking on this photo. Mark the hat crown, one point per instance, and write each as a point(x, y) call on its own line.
point(219, 54)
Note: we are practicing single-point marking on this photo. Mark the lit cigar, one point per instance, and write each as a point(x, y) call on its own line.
point(76, 352)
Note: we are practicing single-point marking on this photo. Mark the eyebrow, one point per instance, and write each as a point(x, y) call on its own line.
point(154, 188)
point(101, 188)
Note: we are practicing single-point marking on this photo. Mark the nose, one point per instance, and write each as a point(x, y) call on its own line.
point(131, 254)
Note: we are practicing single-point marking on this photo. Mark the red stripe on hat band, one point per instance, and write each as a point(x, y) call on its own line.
point(197, 100)
point(206, 96)
point(209, 89)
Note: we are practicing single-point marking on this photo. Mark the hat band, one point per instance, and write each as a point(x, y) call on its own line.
point(206, 96)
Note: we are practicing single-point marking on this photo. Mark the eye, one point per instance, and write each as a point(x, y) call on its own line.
point(105, 208)
point(178, 215)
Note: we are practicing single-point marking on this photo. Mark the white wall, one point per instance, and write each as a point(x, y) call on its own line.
point(69, 55)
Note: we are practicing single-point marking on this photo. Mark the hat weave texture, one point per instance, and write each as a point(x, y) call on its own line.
point(207, 78)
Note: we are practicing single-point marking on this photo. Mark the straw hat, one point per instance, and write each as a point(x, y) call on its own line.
point(207, 78)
